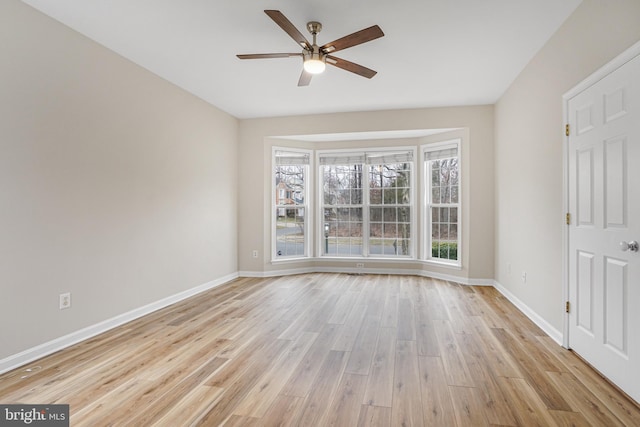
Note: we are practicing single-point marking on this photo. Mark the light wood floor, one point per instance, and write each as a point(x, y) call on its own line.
point(326, 349)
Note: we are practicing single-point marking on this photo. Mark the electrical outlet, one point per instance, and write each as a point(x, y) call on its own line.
point(254, 254)
point(65, 301)
point(360, 265)
point(524, 277)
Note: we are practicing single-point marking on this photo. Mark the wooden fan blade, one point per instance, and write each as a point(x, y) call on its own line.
point(351, 66)
point(354, 39)
point(267, 55)
point(305, 78)
point(288, 27)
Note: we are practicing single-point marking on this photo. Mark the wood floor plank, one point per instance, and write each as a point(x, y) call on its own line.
point(305, 373)
point(285, 412)
point(495, 406)
point(365, 350)
point(468, 406)
point(527, 406)
point(457, 318)
point(345, 408)
point(343, 308)
point(374, 416)
point(499, 361)
point(406, 407)
point(582, 400)
point(364, 346)
point(570, 419)
point(261, 396)
point(238, 378)
point(532, 371)
point(350, 329)
point(190, 408)
point(434, 304)
point(453, 361)
point(610, 397)
point(390, 311)
point(323, 390)
point(437, 407)
point(406, 320)
point(379, 391)
point(425, 332)
point(160, 406)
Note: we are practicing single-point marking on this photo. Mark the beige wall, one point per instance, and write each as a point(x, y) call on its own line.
point(528, 147)
point(115, 185)
point(255, 181)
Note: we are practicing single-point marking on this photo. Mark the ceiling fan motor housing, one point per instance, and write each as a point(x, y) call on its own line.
point(314, 27)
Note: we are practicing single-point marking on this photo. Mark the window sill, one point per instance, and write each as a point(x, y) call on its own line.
point(347, 259)
point(293, 259)
point(457, 266)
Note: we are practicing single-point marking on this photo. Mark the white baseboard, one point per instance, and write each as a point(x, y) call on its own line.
point(275, 273)
point(351, 270)
point(34, 353)
point(555, 334)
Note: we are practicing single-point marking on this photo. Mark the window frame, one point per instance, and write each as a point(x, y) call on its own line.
point(366, 204)
point(307, 206)
point(426, 229)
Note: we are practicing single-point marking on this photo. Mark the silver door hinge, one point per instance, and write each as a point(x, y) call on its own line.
point(568, 218)
point(566, 129)
point(567, 306)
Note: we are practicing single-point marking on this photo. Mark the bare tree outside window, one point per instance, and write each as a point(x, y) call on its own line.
point(366, 204)
point(444, 203)
point(290, 178)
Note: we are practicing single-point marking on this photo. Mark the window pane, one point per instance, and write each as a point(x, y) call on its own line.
point(444, 191)
point(435, 195)
point(375, 196)
point(375, 214)
point(453, 215)
point(290, 232)
point(290, 204)
point(343, 231)
point(444, 214)
point(389, 196)
point(390, 230)
point(388, 186)
point(389, 214)
point(454, 194)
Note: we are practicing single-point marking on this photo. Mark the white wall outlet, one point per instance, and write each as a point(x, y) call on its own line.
point(65, 301)
point(360, 265)
point(254, 253)
point(524, 277)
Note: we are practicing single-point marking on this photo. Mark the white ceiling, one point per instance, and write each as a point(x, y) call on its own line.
point(434, 53)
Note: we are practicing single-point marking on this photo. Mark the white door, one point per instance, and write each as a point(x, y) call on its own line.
point(604, 203)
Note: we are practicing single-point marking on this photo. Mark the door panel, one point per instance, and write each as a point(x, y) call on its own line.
point(615, 286)
point(616, 191)
point(585, 291)
point(604, 199)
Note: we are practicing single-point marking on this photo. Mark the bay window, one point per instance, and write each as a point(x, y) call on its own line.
point(367, 203)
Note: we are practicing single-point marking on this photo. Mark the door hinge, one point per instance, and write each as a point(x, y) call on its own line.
point(567, 306)
point(567, 129)
point(568, 218)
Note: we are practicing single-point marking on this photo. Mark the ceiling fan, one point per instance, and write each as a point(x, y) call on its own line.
point(315, 57)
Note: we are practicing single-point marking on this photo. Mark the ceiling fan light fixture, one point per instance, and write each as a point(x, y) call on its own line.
point(314, 63)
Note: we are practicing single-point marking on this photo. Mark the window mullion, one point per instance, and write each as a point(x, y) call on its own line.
point(365, 211)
